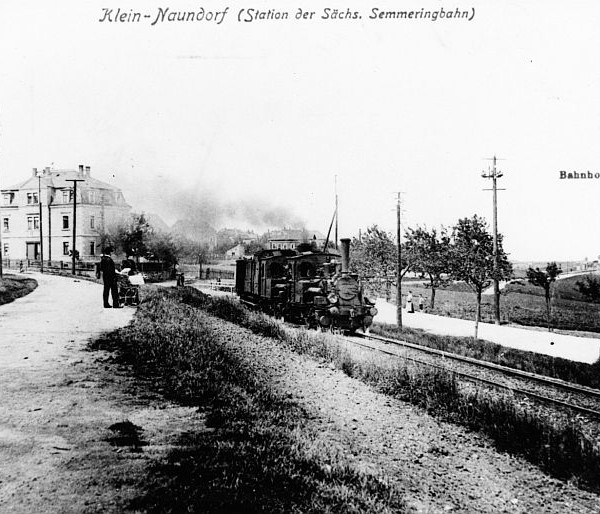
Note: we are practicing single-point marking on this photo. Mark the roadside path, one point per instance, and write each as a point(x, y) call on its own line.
point(56, 403)
point(59, 313)
point(582, 349)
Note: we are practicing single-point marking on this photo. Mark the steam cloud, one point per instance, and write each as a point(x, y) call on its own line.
point(202, 205)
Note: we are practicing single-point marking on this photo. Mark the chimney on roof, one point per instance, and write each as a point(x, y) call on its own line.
point(87, 171)
point(34, 172)
point(81, 169)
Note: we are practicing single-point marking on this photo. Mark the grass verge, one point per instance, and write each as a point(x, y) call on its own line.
point(259, 451)
point(564, 369)
point(13, 287)
point(555, 443)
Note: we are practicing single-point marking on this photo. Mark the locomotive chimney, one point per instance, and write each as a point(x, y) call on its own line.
point(345, 255)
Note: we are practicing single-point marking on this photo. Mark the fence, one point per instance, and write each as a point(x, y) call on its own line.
point(81, 268)
point(154, 271)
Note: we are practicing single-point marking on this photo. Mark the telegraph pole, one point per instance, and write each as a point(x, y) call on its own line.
point(398, 268)
point(39, 176)
point(495, 174)
point(74, 180)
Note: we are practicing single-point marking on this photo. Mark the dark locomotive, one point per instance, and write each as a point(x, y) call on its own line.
point(312, 287)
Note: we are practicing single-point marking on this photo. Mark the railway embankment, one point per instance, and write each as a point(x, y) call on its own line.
point(432, 451)
point(184, 411)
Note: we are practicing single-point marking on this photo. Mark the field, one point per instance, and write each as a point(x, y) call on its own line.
point(520, 303)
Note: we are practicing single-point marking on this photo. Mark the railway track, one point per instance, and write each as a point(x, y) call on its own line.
point(566, 395)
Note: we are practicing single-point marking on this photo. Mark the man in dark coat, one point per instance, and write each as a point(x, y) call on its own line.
point(106, 267)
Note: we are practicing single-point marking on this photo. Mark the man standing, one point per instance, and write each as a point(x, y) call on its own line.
point(106, 266)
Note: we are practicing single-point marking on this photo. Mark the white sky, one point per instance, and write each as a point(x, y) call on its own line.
point(272, 111)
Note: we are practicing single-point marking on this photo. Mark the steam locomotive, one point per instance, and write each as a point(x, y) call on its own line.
point(312, 288)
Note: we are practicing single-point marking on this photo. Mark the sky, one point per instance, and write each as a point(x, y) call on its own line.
point(252, 124)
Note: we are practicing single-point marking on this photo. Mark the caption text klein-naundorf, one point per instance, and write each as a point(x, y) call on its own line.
point(164, 15)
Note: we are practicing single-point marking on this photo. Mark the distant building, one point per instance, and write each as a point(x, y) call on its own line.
point(289, 239)
point(231, 236)
point(236, 252)
point(98, 206)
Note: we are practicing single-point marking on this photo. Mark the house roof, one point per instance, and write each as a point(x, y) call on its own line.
point(59, 179)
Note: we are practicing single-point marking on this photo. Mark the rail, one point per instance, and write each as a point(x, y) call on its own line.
point(561, 384)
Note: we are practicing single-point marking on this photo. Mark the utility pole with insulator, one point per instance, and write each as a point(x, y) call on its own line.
point(74, 180)
point(495, 174)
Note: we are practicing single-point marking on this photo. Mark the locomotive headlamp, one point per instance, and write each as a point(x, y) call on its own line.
point(332, 298)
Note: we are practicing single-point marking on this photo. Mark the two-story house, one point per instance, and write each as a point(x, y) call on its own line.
point(98, 206)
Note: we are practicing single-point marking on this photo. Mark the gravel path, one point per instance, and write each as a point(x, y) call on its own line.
point(439, 467)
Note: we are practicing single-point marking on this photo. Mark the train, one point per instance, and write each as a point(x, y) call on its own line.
point(306, 286)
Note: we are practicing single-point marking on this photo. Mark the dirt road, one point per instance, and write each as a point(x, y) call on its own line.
point(56, 403)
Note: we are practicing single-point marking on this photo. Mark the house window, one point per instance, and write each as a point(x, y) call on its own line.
point(5, 225)
point(65, 248)
point(65, 222)
point(92, 196)
point(92, 222)
point(92, 247)
point(32, 198)
point(67, 196)
point(7, 198)
point(5, 249)
point(33, 222)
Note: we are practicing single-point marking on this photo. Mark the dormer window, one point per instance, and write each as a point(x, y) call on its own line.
point(32, 198)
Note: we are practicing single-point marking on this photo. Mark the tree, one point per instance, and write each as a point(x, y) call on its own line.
point(161, 246)
point(430, 254)
point(472, 258)
point(544, 279)
point(132, 236)
point(590, 289)
point(375, 256)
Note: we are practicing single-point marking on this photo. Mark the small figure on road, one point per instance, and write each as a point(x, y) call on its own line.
point(106, 267)
point(178, 274)
point(421, 303)
point(409, 303)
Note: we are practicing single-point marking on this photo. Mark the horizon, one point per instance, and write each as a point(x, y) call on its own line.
point(266, 121)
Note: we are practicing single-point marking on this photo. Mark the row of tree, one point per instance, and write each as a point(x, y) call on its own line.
point(135, 237)
point(464, 252)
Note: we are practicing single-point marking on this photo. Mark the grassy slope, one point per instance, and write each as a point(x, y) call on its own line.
point(259, 453)
point(13, 287)
point(554, 442)
point(170, 342)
